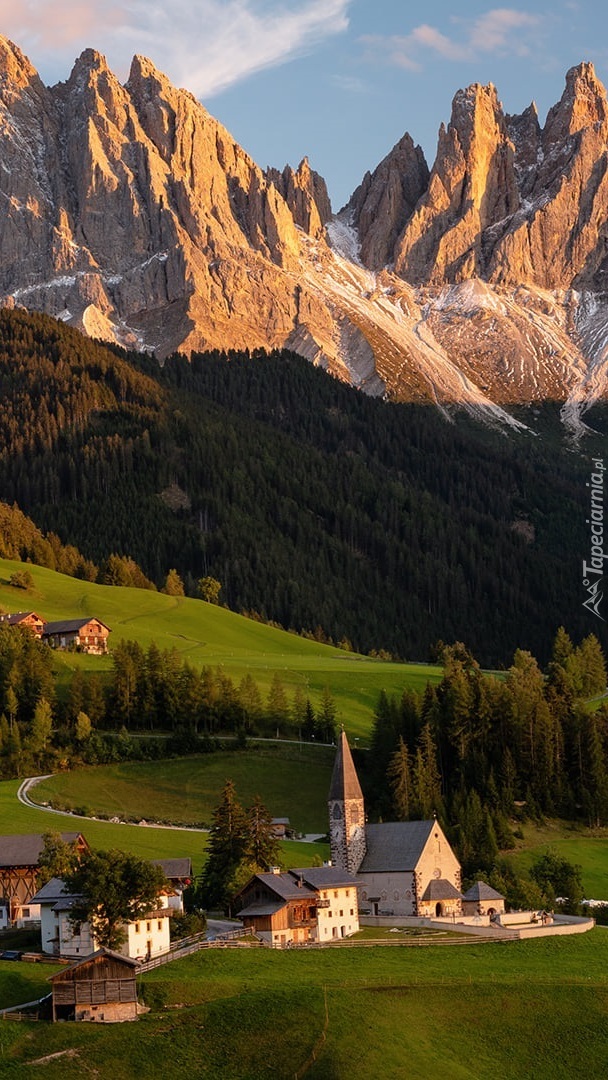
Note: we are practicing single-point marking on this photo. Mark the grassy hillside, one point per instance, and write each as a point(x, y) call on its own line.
point(207, 635)
point(293, 781)
point(148, 842)
point(476, 1012)
point(577, 844)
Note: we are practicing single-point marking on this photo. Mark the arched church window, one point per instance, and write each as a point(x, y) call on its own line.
point(354, 815)
point(337, 811)
point(396, 894)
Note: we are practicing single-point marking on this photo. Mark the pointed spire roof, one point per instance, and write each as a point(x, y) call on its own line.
point(344, 780)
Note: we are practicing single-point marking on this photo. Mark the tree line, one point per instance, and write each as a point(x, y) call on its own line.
point(148, 691)
point(483, 751)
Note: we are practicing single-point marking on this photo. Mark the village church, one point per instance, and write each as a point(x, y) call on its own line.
point(403, 867)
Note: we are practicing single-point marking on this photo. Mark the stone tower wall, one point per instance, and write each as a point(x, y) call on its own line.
point(347, 833)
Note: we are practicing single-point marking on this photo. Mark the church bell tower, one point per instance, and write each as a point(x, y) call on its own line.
point(346, 812)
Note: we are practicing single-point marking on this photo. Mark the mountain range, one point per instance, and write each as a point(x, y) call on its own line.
point(131, 213)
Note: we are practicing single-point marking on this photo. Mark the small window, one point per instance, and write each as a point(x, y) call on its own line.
point(335, 894)
point(160, 924)
point(347, 893)
point(137, 928)
point(341, 913)
point(148, 926)
point(25, 913)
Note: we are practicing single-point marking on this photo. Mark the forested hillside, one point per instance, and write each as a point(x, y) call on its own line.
point(313, 505)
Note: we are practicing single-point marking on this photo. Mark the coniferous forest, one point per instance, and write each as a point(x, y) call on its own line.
point(383, 525)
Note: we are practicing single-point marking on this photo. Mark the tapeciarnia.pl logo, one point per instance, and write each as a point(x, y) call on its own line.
point(593, 571)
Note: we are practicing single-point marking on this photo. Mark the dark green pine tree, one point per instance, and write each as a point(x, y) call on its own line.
point(227, 847)
point(263, 848)
point(399, 776)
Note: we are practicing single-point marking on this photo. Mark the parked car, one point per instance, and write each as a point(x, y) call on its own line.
point(11, 954)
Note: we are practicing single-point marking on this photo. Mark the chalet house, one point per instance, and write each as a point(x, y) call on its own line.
point(102, 988)
point(30, 619)
point(19, 870)
point(145, 937)
point(281, 827)
point(178, 873)
point(313, 904)
point(84, 635)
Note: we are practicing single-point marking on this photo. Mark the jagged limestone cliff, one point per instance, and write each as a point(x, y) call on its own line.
point(130, 212)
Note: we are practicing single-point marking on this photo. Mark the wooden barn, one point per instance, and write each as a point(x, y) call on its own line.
point(101, 988)
point(19, 857)
point(85, 635)
point(30, 619)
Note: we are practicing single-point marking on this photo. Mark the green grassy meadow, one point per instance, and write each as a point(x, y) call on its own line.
point(207, 635)
point(577, 844)
point(534, 1010)
point(293, 780)
point(149, 843)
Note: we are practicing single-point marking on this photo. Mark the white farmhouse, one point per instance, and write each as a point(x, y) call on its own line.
point(145, 937)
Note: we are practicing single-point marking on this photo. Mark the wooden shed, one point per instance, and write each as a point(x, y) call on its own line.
point(101, 988)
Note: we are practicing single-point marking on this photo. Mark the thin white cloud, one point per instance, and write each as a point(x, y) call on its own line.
point(501, 31)
point(351, 84)
point(204, 45)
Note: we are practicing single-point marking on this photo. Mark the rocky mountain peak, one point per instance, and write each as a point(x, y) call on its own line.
point(305, 193)
point(16, 71)
point(471, 187)
point(583, 104)
point(385, 200)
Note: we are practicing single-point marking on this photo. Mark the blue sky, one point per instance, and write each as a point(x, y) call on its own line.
point(338, 80)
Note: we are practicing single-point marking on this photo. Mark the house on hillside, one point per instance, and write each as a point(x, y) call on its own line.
point(30, 619)
point(19, 856)
point(145, 937)
point(317, 903)
point(281, 827)
point(100, 988)
point(85, 635)
point(404, 867)
point(178, 873)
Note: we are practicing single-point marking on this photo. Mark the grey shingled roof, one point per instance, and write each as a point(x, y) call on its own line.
point(69, 626)
point(344, 780)
point(54, 892)
point(25, 850)
point(269, 908)
point(440, 889)
point(175, 869)
point(326, 877)
point(285, 886)
point(481, 891)
point(394, 845)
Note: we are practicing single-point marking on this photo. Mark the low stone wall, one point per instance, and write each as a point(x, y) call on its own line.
point(562, 924)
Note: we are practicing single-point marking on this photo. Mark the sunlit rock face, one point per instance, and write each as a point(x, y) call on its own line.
point(130, 212)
